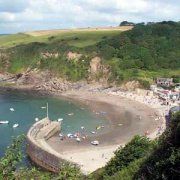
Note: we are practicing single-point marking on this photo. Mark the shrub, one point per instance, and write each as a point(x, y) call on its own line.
point(164, 162)
point(137, 148)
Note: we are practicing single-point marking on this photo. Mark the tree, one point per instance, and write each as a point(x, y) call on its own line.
point(12, 157)
point(164, 162)
point(126, 23)
point(135, 149)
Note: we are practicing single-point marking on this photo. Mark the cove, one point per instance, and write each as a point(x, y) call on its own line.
point(27, 107)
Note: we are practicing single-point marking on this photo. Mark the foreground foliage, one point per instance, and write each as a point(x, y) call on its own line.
point(11, 167)
point(137, 148)
point(164, 162)
point(144, 159)
point(12, 157)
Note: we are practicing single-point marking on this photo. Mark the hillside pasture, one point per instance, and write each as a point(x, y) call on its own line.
point(76, 37)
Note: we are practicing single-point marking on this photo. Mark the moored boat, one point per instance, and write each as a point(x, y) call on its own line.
point(15, 125)
point(4, 122)
point(95, 142)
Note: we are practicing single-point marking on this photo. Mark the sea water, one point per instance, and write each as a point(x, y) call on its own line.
point(27, 107)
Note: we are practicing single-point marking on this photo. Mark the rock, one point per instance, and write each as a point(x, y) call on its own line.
point(98, 72)
point(95, 65)
point(47, 55)
point(130, 86)
point(73, 56)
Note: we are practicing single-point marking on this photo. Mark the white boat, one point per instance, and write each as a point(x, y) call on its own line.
point(119, 124)
point(95, 142)
point(70, 135)
point(82, 127)
point(61, 135)
point(15, 125)
point(43, 107)
point(60, 119)
point(70, 114)
point(93, 132)
point(12, 109)
point(36, 119)
point(78, 139)
point(4, 122)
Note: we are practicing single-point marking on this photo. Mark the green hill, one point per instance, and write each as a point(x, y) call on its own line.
point(143, 53)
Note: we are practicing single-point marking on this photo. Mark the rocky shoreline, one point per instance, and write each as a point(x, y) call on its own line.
point(47, 83)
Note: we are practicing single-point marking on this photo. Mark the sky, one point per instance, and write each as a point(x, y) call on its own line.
point(28, 15)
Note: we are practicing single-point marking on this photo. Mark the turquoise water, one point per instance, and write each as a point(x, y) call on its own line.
point(28, 107)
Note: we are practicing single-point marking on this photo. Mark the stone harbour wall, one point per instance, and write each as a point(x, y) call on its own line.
point(36, 145)
point(43, 158)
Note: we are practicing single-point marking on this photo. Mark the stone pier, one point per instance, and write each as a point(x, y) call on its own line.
point(37, 148)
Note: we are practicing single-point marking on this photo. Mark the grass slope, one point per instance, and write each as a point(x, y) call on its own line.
point(77, 38)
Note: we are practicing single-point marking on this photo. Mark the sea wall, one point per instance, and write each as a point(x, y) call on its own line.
point(43, 158)
point(37, 149)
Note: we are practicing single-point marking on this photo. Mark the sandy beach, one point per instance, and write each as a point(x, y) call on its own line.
point(128, 115)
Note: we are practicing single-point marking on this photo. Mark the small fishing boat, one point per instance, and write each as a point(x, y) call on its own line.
point(60, 119)
point(12, 109)
point(82, 127)
point(61, 135)
point(4, 122)
point(70, 135)
point(95, 142)
point(78, 139)
point(15, 125)
point(70, 114)
point(93, 132)
point(120, 124)
point(98, 127)
point(36, 119)
point(43, 107)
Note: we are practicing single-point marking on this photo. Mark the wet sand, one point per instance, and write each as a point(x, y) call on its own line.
point(127, 118)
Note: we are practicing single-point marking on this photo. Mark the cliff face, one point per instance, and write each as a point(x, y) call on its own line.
point(95, 66)
point(98, 72)
point(73, 56)
point(43, 80)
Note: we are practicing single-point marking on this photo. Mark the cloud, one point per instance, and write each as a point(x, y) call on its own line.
point(13, 5)
point(26, 15)
point(7, 17)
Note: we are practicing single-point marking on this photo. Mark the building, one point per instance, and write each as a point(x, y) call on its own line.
point(165, 82)
point(177, 87)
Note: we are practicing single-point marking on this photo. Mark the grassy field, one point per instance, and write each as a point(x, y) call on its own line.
point(77, 38)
